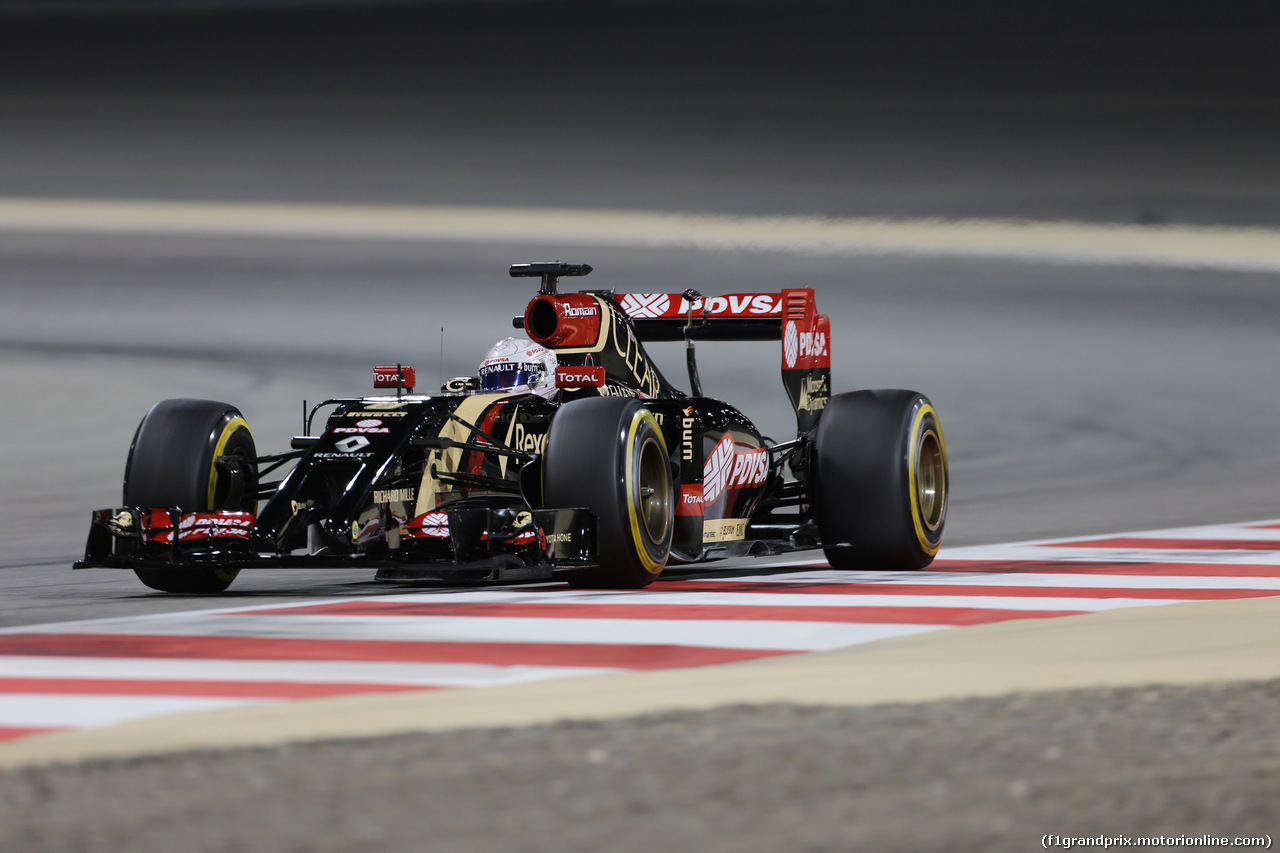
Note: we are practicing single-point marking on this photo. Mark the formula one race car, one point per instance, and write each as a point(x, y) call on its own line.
point(570, 455)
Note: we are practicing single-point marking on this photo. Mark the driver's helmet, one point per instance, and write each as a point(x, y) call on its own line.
point(518, 364)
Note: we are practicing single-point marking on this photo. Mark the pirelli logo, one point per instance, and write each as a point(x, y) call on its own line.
point(724, 530)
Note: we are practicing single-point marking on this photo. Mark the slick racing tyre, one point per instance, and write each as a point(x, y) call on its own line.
point(608, 455)
point(878, 480)
point(173, 463)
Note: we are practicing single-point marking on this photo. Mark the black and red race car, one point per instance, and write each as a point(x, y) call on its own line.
point(603, 480)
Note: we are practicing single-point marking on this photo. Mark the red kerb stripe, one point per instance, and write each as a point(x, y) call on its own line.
point(1173, 544)
point(709, 612)
point(11, 733)
point(1103, 568)
point(266, 648)
point(985, 590)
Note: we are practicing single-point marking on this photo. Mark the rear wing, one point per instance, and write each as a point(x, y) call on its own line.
point(790, 316)
point(733, 317)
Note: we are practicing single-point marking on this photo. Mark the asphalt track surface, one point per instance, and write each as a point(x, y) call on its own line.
point(1078, 398)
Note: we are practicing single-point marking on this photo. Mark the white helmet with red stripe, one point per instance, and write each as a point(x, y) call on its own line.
point(518, 364)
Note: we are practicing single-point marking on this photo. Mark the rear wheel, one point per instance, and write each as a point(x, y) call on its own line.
point(609, 455)
point(878, 480)
point(173, 463)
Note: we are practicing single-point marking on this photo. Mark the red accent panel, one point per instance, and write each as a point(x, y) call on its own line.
point(690, 500)
point(580, 377)
point(475, 459)
point(386, 377)
point(218, 524)
point(429, 525)
point(266, 648)
point(731, 306)
point(806, 334)
point(160, 687)
point(1172, 544)
point(710, 612)
point(577, 324)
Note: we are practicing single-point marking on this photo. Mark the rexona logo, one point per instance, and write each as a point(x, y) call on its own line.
point(528, 440)
point(367, 425)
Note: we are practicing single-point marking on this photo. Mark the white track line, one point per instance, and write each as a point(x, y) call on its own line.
point(58, 711)
point(1226, 248)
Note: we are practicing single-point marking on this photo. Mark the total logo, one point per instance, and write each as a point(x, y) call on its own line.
point(732, 467)
point(367, 425)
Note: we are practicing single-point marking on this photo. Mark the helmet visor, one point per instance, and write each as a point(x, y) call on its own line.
point(499, 377)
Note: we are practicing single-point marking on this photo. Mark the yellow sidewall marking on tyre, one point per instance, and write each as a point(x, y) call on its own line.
point(650, 565)
point(913, 460)
point(227, 431)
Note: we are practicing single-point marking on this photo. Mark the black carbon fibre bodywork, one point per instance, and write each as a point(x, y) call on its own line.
point(448, 486)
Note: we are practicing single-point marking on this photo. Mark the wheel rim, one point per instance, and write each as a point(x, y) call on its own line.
point(655, 490)
point(931, 480)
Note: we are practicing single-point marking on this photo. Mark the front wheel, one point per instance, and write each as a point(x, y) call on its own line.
point(878, 480)
point(174, 463)
point(608, 454)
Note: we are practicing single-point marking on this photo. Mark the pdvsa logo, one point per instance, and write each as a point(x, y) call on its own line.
point(790, 344)
point(798, 345)
point(643, 305)
point(730, 466)
point(367, 425)
point(813, 344)
point(716, 470)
